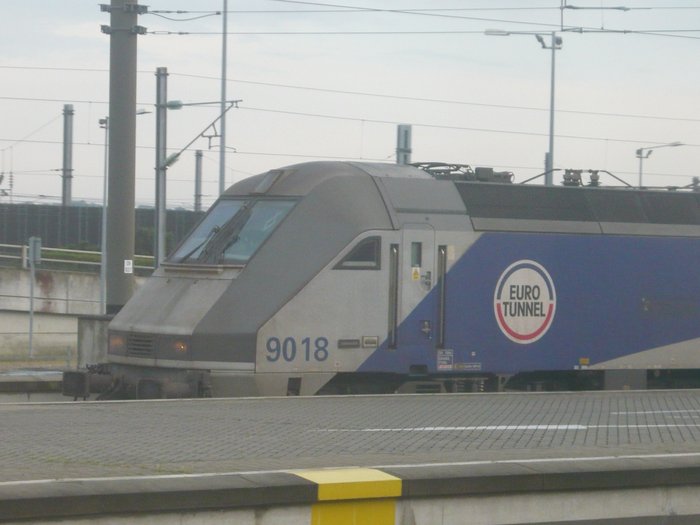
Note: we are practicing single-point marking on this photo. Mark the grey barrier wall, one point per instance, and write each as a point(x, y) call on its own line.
point(80, 226)
point(612, 493)
point(55, 292)
point(68, 326)
point(54, 340)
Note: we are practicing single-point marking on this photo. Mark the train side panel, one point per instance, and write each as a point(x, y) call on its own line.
point(333, 324)
point(340, 319)
point(519, 302)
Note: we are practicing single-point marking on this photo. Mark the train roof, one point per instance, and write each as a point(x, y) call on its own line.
point(435, 188)
point(300, 179)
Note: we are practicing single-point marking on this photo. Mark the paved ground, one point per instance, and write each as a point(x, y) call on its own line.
point(91, 439)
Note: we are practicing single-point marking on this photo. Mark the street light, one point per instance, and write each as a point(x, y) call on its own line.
point(556, 43)
point(641, 156)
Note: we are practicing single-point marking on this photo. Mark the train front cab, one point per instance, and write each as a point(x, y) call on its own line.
point(326, 206)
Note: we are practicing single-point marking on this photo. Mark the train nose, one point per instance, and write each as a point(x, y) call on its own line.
point(176, 348)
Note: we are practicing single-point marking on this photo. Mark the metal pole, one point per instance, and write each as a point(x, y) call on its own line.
point(641, 156)
point(32, 276)
point(161, 168)
point(67, 154)
point(121, 230)
point(403, 144)
point(198, 181)
point(34, 258)
point(103, 249)
point(549, 160)
point(222, 151)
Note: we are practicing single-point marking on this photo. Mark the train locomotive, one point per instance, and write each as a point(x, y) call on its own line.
point(348, 277)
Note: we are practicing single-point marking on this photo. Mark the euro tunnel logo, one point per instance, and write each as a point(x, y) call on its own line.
point(524, 302)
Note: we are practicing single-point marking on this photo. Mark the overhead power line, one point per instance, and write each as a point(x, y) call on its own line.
point(459, 128)
point(390, 122)
point(188, 19)
point(360, 10)
point(560, 26)
point(440, 101)
point(410, 12)
point(435, 13)
point(377, 95)
point(291, 33)
point(354, 93)
point(32, 133)
point(442, 32)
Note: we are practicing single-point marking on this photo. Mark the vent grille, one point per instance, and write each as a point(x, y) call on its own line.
point(139, 345)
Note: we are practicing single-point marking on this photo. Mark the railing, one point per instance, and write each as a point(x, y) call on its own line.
point(17, 256)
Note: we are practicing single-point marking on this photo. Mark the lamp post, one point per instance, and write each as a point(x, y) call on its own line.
point(555, 44)
point(649, 150)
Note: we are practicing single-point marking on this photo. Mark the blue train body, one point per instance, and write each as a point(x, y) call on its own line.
point(614, 296)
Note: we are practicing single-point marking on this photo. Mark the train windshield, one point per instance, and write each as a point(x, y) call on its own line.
point(232, 231)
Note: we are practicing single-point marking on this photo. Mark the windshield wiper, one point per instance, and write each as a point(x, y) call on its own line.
point(226, 235)
point(206, 239)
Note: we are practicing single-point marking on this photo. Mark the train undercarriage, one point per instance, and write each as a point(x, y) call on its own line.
point(104, 382)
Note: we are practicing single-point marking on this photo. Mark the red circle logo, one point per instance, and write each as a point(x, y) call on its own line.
point(524, 302)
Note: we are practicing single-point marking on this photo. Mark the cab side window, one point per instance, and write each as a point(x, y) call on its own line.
point(365, 255)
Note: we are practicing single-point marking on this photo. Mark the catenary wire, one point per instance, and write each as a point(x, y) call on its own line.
point(336, 91)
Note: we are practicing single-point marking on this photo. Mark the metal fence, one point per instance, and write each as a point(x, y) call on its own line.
point(80, 227)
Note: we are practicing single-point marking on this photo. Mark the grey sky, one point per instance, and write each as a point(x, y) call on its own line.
point(471, 98)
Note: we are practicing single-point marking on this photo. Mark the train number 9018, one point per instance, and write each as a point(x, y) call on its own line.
point(289, 349)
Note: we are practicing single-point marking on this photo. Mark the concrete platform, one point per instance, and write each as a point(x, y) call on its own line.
point(608, 457)
point(24, 378)
point(26, 384)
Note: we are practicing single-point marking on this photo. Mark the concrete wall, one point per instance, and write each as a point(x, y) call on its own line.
point(655, 507)
point(54, 291)
point(60, 300)
point(54, 339)
point(92, 339)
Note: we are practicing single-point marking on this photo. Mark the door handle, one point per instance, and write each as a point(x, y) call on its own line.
point(427, 279)
point(427, 329)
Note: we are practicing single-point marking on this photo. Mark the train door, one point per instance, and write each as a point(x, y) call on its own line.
point(416, 278)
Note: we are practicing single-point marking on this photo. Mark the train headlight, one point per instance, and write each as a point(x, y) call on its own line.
point(181, 347)
point(117, 344)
